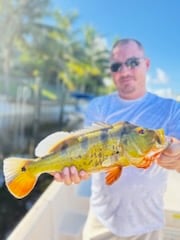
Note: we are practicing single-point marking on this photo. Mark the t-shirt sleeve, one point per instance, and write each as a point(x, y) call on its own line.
point(174, 125)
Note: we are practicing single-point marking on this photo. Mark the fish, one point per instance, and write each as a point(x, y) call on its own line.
point(99, 147)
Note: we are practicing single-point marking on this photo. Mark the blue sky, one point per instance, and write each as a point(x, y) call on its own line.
point(155, 23)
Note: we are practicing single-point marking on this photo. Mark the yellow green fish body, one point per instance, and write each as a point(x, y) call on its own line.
point(101, 147)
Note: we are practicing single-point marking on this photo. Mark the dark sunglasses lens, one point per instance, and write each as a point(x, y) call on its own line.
point(132, 62)
point(116, 67)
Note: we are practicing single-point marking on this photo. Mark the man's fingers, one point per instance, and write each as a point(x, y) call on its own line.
point(84, 175)
point(172, 149)
point(70, 175)
point(74, 175)
point(66, 176)
point(168, 162)
point(57, 176)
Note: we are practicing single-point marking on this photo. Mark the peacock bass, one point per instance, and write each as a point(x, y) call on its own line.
point(100, 147)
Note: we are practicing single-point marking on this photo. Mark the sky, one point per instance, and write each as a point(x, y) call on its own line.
point(156, 24)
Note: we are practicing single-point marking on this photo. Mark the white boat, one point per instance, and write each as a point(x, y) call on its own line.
point(61, 211)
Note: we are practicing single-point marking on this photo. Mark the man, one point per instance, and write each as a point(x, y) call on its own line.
point(132, 208)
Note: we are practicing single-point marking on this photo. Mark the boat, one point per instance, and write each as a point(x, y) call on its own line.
point(61, 211)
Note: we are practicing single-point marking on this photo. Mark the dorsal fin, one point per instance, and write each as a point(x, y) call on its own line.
point(101, 125)
point(43, 147)
point(55, 141)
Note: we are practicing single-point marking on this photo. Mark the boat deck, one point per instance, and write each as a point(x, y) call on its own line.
point(61, 212)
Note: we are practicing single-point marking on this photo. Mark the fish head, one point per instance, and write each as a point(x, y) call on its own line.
point(140, 141)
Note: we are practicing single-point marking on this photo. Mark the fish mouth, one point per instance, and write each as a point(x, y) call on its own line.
point(162, 141)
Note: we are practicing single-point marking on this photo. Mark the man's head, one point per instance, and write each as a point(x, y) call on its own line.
point(128, 68)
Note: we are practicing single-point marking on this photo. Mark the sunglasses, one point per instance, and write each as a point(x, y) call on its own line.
point(130, 63)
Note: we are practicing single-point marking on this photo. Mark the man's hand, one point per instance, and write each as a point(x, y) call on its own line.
point(70, 175)
point(170, 157)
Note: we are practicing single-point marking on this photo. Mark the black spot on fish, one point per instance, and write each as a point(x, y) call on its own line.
point(100, 154)
point(97, 162)
point(64, 147)
point(84, 143)
point(125, 141)
point(124, 131)
point(104, 136)
point(23, 169)
point(90, 161)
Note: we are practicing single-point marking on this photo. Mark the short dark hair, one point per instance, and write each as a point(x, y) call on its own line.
point(127, 40)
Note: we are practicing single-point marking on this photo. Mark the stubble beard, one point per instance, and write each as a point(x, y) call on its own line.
point(127, 87)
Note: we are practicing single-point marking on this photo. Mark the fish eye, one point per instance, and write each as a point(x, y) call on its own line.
point(141, 131)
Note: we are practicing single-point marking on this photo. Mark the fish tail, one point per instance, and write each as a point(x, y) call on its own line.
point(18, 179)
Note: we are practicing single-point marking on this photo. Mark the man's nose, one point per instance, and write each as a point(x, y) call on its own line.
point(124, 69)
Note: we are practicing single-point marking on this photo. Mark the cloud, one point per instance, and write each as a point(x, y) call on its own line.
point(161, 77)
point(160, 84)
point(100, 43)
point(164, 92)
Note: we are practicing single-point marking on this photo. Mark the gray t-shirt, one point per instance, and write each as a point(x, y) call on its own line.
point(134, 204)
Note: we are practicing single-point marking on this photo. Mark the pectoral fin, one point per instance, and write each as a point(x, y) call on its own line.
point(113, 174)
point(146, 162)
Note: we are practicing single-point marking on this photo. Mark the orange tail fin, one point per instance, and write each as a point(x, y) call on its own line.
point(19, 180)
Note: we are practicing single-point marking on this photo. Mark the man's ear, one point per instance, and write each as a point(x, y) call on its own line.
point(148, 63)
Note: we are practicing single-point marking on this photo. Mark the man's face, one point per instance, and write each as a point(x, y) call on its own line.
point(130, 78)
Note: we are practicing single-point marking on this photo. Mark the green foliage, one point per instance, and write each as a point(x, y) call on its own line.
point(39, 42)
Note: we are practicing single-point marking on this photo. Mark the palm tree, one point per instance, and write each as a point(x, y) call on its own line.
point(16, 20)
point(88, 62)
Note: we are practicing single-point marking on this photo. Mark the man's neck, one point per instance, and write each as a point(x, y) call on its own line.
point(133, 96)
